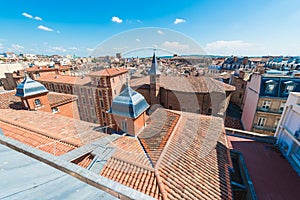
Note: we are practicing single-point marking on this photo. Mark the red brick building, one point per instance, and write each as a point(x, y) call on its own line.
point(33, 96)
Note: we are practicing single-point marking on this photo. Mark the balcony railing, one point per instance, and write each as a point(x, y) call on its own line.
point(270, 110)
point(265, 128)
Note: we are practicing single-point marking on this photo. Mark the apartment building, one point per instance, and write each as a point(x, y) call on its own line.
point(79, 86)
point(240, 82)
point(12, 79)
point(95, 91)
point(107, 84)
point(265, 98)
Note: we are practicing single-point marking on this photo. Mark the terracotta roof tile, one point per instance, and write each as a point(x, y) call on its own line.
point(72, 80)
point(156, 135)
point(8, 100)
point(232, 122)
point(46, 68)
point(84, 161)
point(42, 142)
point(132, 176)
point(191, 162)
point(109, 72)
point(200, 84)
point(56, 99)
point(58, 127)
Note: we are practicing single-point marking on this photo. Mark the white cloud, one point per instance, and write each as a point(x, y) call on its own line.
point(31, 17)
point(234, 47)
point(27, 15)
point(38, 18)
point(116, 20)
point(60, 49)
point(1, 46)
point(90, 49)
point(221, 44)
point(178, 21)
point(160, 32)
point(17, 47)
point(137, 39)
point(74, 48)
point(120, 48)
point(175, 46)
point(224, 47)
point(44, 28)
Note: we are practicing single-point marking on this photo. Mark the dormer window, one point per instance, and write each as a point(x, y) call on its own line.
point(289, 87)
point(270, 86)
point(37, 102)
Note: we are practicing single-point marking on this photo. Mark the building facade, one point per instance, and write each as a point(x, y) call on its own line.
point(33, 96)
point(265, 99)
point(239, 81)
point(107, 85)
point(288, 131)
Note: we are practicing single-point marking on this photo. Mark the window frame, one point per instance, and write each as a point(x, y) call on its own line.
point(38, 105)
point(261, 122)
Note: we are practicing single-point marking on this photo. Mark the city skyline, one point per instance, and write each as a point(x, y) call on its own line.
point(248, 28)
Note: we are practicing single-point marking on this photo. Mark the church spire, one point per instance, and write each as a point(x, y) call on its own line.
point(154, 66)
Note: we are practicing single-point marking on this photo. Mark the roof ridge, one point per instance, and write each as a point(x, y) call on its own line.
point(132, 163)
point(162, 190)
point(163, 152)
point(145, 152)
point(167, 136)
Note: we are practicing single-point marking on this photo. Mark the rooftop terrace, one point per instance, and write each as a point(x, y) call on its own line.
point(271, 174)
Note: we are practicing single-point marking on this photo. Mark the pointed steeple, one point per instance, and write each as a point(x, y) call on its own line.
point(154, 66)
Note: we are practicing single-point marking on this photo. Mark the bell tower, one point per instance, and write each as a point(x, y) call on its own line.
point(154, 82)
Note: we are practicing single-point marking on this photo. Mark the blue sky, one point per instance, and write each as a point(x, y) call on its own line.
point(256, 27)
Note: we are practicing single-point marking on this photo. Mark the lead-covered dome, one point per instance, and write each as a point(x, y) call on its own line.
point(129, 103)
point(30, 87)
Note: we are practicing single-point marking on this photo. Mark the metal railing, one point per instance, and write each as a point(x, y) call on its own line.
point(265, 128)
point(250, 135)
point(270, 110)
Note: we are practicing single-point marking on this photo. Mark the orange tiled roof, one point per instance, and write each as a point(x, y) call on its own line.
point(84, 161)
point(200, 84)
point(232, 122)
point(154, 138)
point(39, 68)
point(190, 163)
point(46, 68)
point(71, 80)
point(37, 140)
point(56, 99)
point(8, 100)
point(131, 175)
point(109, 72)
point(71, 131)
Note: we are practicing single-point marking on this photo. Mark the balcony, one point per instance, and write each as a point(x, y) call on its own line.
point(270, 110)
point(265, 128)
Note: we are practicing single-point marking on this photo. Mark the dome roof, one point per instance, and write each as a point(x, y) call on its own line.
point(129, 103)
point(30, 87)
